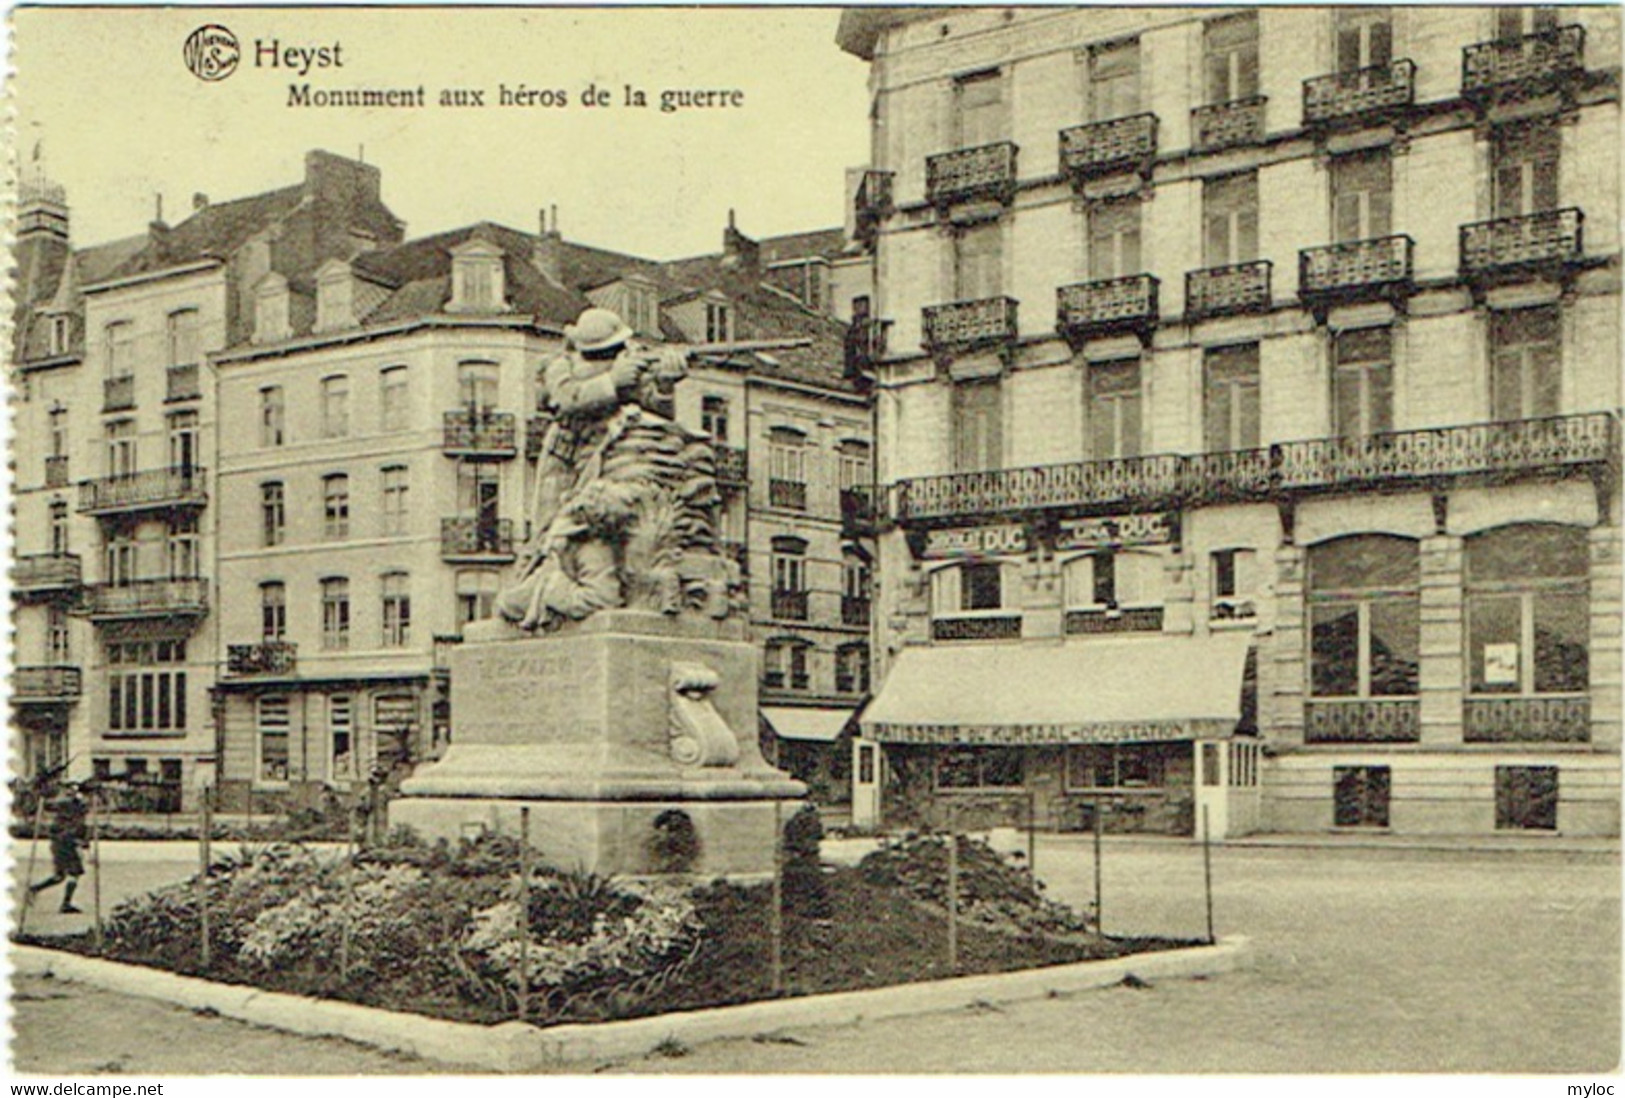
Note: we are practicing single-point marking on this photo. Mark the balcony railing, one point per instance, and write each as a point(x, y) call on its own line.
point(56, 471)
point(41, 572)
point(176, 486)
point(791, 494)
point(182, 382)
point(1228, 475)
point(1362, 720)
point(1140, 619)
point(476, 539)
point(1101, 148)
point(45, 685)
point(855, 611)
point(264, 658)
point(1089, 309)
point(980, 627)
point(857, 511)
point(1528, 720)
point(1226, 125)
point(1078, 484)
point(476, 432)
point(964, 325)
point(118, 393)
point(790, 605)
point(1526, 445)
point(1533, 61)
point(865, 346)
point(147, 598)
point(1228, 291)
point(1550, 238)
point(1355, 270)
point(872, 204)
point(1376, 90)
point(731, 466)
point(535, 434)
point(965, 175)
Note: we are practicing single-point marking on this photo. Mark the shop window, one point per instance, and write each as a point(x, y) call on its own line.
point(1526, 798)
point(1365, 617)
point(1528, 611)
point(273, 724)
point(1114, 766)
point(1360, 796)
point(1235, 584)
point(341, 734)
point(979, 768)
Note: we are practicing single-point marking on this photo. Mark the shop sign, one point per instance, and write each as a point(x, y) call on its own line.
point(1021, 735)
point(1111, 532)
point(976, 541)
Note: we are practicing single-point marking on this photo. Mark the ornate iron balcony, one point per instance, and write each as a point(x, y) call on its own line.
point(1360, 93)
point(1521, 446)
point(731, 466)
point(1362, 720)
point(1084, 484)
point(1532, 61)
point(182, 382)
point(1527, 720)
point(872, 204)
point(1089, 309)
point(535, 434)
point(964, 175)
point(118, 393)
point(177, 486)
point(1229, 475)
point(1552, 237)
point(38, 573)
point(1143, 619)
point(1101, 148)
point(147, 599)
point(264, 658)
point(790, 605)
point(791, 494)
point(1226, 125)
point(45, 685)
point(1355, 270)
point(1228, 291)
point(855, 611)
point(964, 325)
point(469, 539)
point(479, 432)
point(857, 512)
point(56, 471)
point(1000, 627)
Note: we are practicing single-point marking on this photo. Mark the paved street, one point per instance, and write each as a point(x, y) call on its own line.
point(1367, 960)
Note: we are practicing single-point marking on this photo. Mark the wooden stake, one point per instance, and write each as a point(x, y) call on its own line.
point(204, 836)
point(953, 894)
point(776, 914)
point(1207, 874)
point(524, 911)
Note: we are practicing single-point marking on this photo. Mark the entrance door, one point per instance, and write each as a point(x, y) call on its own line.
point(866, 776)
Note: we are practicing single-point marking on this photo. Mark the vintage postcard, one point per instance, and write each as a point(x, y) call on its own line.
point(784, 540)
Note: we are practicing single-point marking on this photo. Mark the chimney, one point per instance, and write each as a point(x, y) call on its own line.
point(739, 252)
point(42, 209)
point(548, 254)
point(200, 201)
point(333, 178)
point(158, 229)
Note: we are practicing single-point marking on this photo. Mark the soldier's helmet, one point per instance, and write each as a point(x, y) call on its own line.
point(597, 330)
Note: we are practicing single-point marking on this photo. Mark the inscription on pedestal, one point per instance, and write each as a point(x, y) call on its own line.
point(544, 693)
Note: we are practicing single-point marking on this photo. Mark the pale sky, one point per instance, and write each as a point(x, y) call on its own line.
point(119, 118)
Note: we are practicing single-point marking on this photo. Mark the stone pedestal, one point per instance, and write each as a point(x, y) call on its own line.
point(599, 729)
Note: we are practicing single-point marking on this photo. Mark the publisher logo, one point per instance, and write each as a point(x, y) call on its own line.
point(212, 52)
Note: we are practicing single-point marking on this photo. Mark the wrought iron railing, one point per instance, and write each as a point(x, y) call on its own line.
point(1139, 619)
point(855, 610)
point(1362, 720)
point(1353, 267)
point(264, 658)
point(1158, 477)
point(45, 572)
point(182, 382)
point(1228, 475)
point(1226, 125)
point(960, 325)
point(147, 598)
point(1228, 291)
point(1099, 148)
point(1113, 304)
point(478, 431)
point(50, 683)
point(176, 486)
point(462, 537)
point(1528, 720)
point(791, 494)
point(790, 605)
point(1552, 236)
point(1376, 89)
point(981, 627)
point(118, 393)
point(56, 471)
point(732, 468)
point(1530, 61)
point(985, 171)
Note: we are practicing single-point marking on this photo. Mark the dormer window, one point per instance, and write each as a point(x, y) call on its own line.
point(59, 335)
point(642, 307)
point(271, 309)
point(476, 278)
point(718, 322)
point(335, 296)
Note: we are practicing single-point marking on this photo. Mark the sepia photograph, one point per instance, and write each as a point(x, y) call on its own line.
point(1079, 541)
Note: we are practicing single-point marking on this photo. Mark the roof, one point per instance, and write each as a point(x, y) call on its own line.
point(812, 723)
point(1094, 691)
point(215, 231)
point(816, 244)
point(860, 28)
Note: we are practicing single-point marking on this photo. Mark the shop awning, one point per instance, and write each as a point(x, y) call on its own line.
point(807, 723)
point(1096, 691)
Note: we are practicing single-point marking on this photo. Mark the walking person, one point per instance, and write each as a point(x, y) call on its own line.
point(69, 834)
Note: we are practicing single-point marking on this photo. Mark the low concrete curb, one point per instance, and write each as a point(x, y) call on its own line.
point(518, 1047)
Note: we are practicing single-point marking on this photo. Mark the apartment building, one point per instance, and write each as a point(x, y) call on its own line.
point(1247, 415)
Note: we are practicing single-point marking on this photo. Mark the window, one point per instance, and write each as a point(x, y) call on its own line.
point(477, 386)
point(273, 514)
point(1111, 579)
point(57, 647)
point(1115, 766)
point(1235, 582)
point(335, 409)
point(121, 448)
point(1230, 219)
point(394, 482)
point(979, 109)
point(1525, 161)
point(335, 614)
point(1365, 617)
point(1230, 57)
point(146, 693)
point(979, 768)
point(341, 734)
point(479, 497)
point(182, 337)
point(1114, 239)
point(1362, 382)
point(476, 595)
point(274, 721)
point(1360, 796)
point(1114, 80)
point(57, 433)
point(966, 588)
point(1516, 22)
point(790, 578)
point(397, 609)
point(1526, 798)
point(714, 417)
point(1362, 196)
point(1525, 364)
point(59, 527)
point(273, 611)
point(785, 664)
point(183, 441)
point(718, 322)
point(59, 335)
point(977, 426)
point(978, 263)
point(1230, 398)
point(1528, 616)
point(787, 468)
point(335, 506)
point(855, 468)
point(120, 556)
point(1365, 38)
point(852, 669)
point(393, 413)
point(1113, 409)
point(271, 416)
point(120, 340)
point(182, 548)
